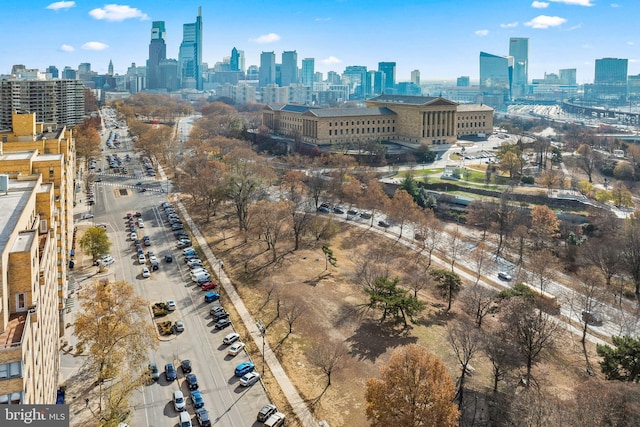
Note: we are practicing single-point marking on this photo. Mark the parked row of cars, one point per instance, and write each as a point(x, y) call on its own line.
point(351, 213)
point(148, 166)
point(179, 400)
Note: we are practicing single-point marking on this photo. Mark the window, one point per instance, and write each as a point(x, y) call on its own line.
point(10, 370)
point(21, 301)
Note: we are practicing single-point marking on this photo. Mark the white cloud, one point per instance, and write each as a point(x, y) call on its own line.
point(95, 46)
point(633, 60)
point(544, 21)
point(540, 4)
point(575, 27)
point(630, 43)
point(61, 5)
point(574, 2)
point(481, 33)
point(331, 60)
point(509, 25)
point(117, 12)
point(67, 48)
point(266, 38)
point(322, 19)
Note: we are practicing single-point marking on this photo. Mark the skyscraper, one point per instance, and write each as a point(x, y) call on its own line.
point(389, 70)
point(496, 73)
point(610, 81)
point(110, 68)
point(415, 77)
point(236, 62)
point(157, 53)
point(519, 50)
point(308, 71)
point(356, 77)
point(289, 68)
point(267, 75)
point(568, 76)
point(190, 55)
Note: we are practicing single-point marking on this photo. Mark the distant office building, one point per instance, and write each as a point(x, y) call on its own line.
point(415, 77)
point(69, 73)
point(317, 77)
point(267, 69)
point(190, 55)
point(289, 68)
point(389, 70)
point(110, 68)
point(236, 63)
point(333, 77)
point(157, 54)
point(253, 72)
point(53, 101)
point(53, 70)
point(308, 71)
point(169, 75)
point(84, 68)
point(568, 76)
point(496, 74)
point(463, 81)
point(356, 77)
point(519, 50)
point(376, 81)
point(634, 87)
point(408, 88)
point(610, 81)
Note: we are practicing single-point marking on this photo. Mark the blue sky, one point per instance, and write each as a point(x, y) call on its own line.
point(441, 38)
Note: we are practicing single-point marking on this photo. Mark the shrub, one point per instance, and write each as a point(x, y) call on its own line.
point(528, 179)
point(165, 328)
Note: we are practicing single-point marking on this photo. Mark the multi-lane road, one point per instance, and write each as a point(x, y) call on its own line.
point(228, 403)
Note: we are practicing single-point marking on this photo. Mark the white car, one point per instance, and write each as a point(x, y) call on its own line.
point(86, 216)
point(178, 326)
point(134, 235)
point(250, 379)
point(146, 273)
point(236, 348)
point(107, 260)
point(171, 305)
point(231, 338)
point(504, 276)
point(195, 263)
point(142, 259)
point(178, 401)
point(140, 223)
point(153, 258)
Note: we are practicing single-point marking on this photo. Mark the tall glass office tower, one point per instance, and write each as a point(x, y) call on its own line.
point(267, 73)
point(157, 53)
point(389, 70)
point(519, 50)
point(289, 68)
point(308, 71)
point(190, 55)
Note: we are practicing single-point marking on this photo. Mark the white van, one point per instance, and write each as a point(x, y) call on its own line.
point(200, 277)
point(185, 419)
point(275, 420)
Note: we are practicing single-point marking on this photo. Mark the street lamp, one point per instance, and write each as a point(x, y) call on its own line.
point(263, 330)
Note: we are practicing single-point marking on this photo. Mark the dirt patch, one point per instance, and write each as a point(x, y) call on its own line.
point(334, 312)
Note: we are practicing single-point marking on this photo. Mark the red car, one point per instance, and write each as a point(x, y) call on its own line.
point(207, 286)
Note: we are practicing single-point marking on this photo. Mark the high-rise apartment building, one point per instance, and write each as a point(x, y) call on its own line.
point(157, 54)
point(308, 71)
point(190, 55)
point(289, 68)
point(267, 74)
point(389, 70)
point(37, 164)
point(519, 50)
point(53, 101)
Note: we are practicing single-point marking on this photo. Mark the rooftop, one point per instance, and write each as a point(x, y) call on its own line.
point(13, 203)
point(351, 112)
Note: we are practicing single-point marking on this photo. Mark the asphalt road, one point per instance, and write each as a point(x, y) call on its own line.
point(228, 403)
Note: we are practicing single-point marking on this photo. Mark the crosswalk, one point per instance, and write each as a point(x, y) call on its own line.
point(131, 186)
point(122, 176)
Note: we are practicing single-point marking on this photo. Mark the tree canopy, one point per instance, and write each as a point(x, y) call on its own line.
point(95, 242)
point(414, 390)
point(621, 362)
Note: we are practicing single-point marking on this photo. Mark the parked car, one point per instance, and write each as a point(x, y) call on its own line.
point(504, 275)
point(591, 318)
point(107, 260)
point(266, 411)
point(186, 366)
point(220, 315)
point(168, 258)
point(194, 263)
point(196, 398)
point(171, 305)
point(235, 348)
point(146, 273)
point(249, 379)
point(153, 371)
point(324, 209)
point(192, 381)
point(178, 326)
point(231, 338)
point(244, 368)
point(365, 215)
point(383, 224)
point(184, 244)
point(86, 216)
point(140, 223)
point(142, 259)
point(222, 323)
point(146, 240)
point(275, 420)
point(170, 372)
point(134, 235)
point(211, 296)
point(203, 417)
point(207, 286)
point(215, 309)
point(339, 210)
point(178, 401)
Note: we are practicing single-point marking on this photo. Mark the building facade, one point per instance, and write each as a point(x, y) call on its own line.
point(289, 68)
point(519, 50)
point(389, 71)
point(267, 73)
point(157, 54)
point(190, 54)
point(411, 119)
point(308, 71)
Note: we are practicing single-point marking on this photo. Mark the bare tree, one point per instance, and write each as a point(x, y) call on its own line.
point(480, 260)
point(465, 342)
point(329, 358)
point(586, 299)
point(477, 301)
point(293, 311)
point(543, 267)
point(502, 354)
point(429, 236)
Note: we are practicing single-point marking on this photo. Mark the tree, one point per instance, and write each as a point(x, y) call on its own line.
point(620, 195)
point(502, 354)
point(479, 260)
point(551, 179)
point(629, 241)
point(385, 294)
point(269, 222)
point(113, 325)
point(621, 362)
point(543, 267)
point(414, 390)
point(587, 297)
point(477, 301)
point(588, 160)
point(293, 311)
point(465, 342)
point(448, 283)
point(544, 225)
point(409, 184)
point(329, 258)
point(511, 163)
point(95, 242)
point(403, 209)
point(480, 214)
point(428, 235)
point(531, 331)
point(454, 246)
point(329, 358)
point(87, 139)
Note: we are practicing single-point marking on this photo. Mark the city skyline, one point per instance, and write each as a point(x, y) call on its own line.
point(442, 39)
